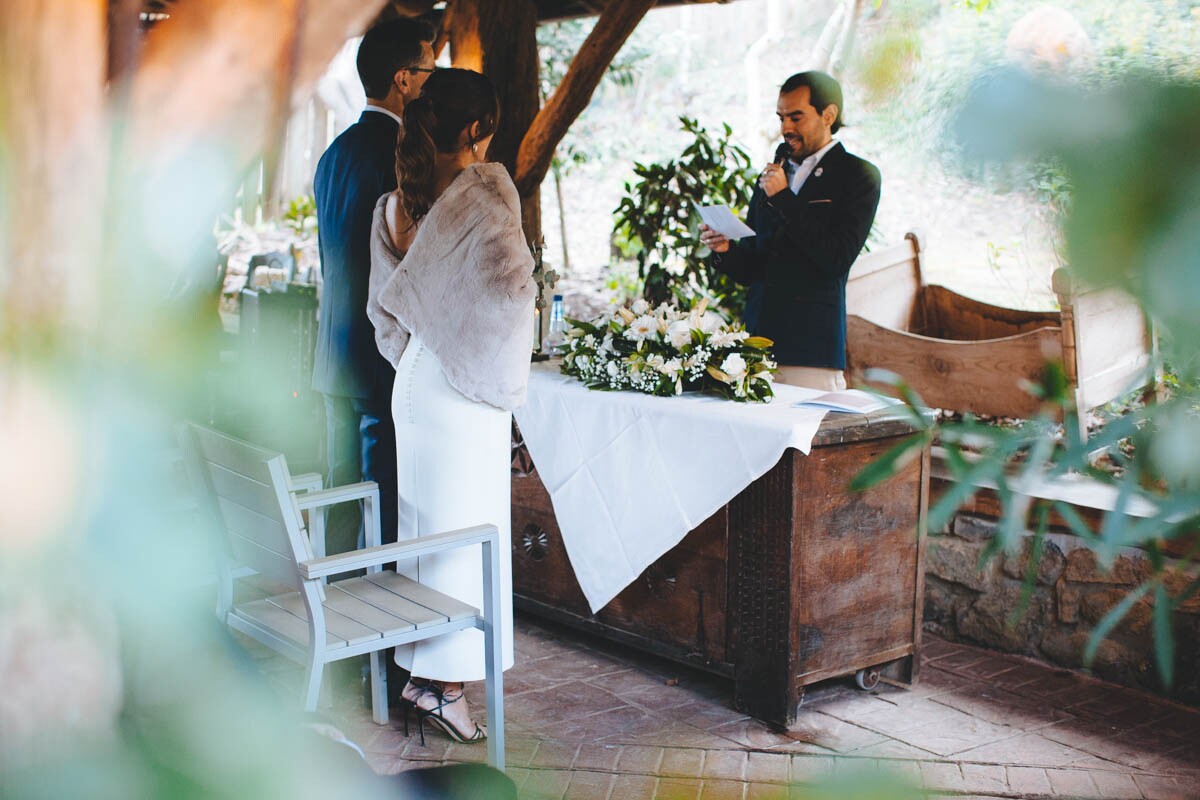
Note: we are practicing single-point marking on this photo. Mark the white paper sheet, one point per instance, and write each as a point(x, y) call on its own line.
point(722, 220)
point(854, 401)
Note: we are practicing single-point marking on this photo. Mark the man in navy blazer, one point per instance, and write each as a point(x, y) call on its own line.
point(358, 167)
point(811, 212)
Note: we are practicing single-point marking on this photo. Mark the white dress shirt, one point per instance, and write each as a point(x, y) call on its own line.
point(801, 171)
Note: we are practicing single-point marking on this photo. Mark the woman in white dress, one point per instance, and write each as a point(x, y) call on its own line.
point(452, 303)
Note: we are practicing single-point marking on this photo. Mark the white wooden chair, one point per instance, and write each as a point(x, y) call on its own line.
point(258, 505)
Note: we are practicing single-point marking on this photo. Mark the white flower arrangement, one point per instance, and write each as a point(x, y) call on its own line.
point(668, 350)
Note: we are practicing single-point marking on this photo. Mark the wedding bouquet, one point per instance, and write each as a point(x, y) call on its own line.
point(667, 350)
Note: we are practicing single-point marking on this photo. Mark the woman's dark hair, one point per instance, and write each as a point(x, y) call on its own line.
point(450, 101)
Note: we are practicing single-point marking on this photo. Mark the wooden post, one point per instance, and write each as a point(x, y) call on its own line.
point(572, 96)
point(499, 39)
point(53, 60)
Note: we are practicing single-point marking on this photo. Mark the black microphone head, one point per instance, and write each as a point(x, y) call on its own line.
point(782, 152)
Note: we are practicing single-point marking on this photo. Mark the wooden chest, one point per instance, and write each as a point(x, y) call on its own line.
point(794, 581)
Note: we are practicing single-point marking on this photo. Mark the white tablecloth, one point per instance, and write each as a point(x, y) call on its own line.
point(631, 474)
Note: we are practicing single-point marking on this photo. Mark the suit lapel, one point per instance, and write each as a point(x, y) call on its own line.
point(818, 184)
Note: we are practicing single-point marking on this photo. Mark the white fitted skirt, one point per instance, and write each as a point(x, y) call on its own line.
point(453, 471)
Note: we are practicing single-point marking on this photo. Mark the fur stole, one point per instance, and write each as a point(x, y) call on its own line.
point(464, 288)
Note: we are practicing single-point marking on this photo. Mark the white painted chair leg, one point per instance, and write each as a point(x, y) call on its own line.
point(379, 693)
point(493, 653)
point(312, 689)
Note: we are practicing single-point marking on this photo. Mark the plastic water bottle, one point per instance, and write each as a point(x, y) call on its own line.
point(556, 336)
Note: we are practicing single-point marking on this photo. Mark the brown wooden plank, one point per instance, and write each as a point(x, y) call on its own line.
point(985, 377)
point(855, 558)
point(949, 315)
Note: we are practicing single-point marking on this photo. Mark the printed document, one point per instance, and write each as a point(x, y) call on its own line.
point(723, 221)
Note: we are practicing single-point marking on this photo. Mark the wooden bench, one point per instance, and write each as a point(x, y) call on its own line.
point(255, 502)
point(966, 355)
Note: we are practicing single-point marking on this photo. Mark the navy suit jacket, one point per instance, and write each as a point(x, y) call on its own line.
point(796, 264)
point(356, 169)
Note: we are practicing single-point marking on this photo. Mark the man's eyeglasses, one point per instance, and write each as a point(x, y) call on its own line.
point(424, 69)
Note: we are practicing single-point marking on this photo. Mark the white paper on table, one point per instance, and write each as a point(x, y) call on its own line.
point(723, 221)
point(854, 401)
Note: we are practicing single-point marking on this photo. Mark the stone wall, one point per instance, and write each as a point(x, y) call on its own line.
point(967, 602)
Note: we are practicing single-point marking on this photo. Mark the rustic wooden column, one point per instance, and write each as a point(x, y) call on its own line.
point(616, 23)
point(53, 59)
point(499, 39)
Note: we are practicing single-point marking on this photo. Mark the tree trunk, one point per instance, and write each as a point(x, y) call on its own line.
point(499, 39)
point(562, 218)
point(822, 51)
point(213, 74)
point(845, 41)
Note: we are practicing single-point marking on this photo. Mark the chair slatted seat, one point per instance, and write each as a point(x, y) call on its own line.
point(258, 505)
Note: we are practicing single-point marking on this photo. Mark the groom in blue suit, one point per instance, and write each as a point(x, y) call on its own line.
point(394, 59)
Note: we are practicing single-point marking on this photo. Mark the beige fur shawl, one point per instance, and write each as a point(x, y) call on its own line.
point(464, 288)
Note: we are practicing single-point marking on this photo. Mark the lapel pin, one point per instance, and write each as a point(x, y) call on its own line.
point(818, 172)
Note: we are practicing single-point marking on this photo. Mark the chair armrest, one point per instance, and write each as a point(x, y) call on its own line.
point(397, 551)
point(338, 494)
point(307, 482)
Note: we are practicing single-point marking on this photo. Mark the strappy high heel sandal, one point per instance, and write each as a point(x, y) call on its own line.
point(435, 715)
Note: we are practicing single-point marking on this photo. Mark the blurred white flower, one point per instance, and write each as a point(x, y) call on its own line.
point(642, 328)
point(671, 367)
point(679, 333)
point(727, 338)
point(734, 366)
point(711, 322)
point(639, 306)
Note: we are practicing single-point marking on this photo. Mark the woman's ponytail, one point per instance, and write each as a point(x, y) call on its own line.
point(451, 101)
point(415, 150)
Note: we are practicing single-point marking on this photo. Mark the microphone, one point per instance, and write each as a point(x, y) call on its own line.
point(781, 153)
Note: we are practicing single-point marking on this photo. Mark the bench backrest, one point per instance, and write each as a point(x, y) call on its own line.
point(884, 286)
point(250, 498)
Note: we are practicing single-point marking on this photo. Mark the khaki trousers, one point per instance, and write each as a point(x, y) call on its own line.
point(831, 380)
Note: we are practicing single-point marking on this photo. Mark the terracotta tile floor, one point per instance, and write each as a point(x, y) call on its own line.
point(593, 720)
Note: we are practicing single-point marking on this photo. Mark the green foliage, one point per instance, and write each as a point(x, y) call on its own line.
point(1133, 224)
point(658, 223)
point(301, 215)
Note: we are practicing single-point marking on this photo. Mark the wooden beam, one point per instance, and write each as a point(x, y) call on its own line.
point(212, 73)
point(53, 60)
point(499, 39)
point(572, 96)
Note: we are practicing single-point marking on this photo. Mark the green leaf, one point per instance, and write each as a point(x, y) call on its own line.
point(1164, 637)
point(1110, 620)
point(889, 463)
point(1029, 580)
